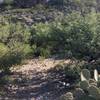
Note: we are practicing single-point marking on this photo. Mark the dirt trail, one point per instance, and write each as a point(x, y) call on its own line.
point(34, 81)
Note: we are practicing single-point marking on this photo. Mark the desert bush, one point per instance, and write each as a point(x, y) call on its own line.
point(13, 55)
point(8, 57)
point(79, 34)
point(14, 44)
point(75, 35)
point(14, 32)
point(40, 38)
point(72, 72)
point(72, 36)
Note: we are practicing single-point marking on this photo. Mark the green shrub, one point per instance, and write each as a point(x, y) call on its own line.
point(74, 34)
point(78, 35)
point(8, 57)
point(14, 55)
point(10, 32)
point(72, 72)
point(14, 44)
point(40, 38)
point(8, 2)
point(89, 85)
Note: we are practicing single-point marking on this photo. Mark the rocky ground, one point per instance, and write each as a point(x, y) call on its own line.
point(31, 16)
point(35, 80)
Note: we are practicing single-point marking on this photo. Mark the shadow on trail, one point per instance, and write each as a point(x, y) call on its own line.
point(42, 86)
point(47, 85)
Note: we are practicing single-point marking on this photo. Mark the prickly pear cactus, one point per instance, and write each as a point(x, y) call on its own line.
point(85, 74)
point(99, 78)
point(67, 96)
point(92, 82)
point(79, 93)
point(94, 92)
point(90, 86)
point(96, 75)
point(84, 85)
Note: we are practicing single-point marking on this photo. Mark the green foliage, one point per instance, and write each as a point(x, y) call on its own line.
point(10, 32)
point(8, 57)
point(84, 85)
point(90, 88)
point(86, 90)
point(40, 38)
point(8, 2)
point(14, 44)
point(13, 55)
point(94, 92)
point(72, 72)
point(67, 96)
point(74, 36)
point(86, 74)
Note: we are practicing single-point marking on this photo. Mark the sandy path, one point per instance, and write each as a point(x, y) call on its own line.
point(39, 65)
point(34, 81)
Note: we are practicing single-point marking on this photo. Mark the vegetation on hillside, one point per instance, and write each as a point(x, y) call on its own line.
point(67, 28)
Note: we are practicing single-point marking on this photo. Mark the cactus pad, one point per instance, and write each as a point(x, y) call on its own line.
point(94, 92)
point(85, 74)
point(67, 96)
point(96, 75)
point(84, 85)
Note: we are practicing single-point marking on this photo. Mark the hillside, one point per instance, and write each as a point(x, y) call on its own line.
point(49, 50)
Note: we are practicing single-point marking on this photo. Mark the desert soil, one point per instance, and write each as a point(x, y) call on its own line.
point(34, 80)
